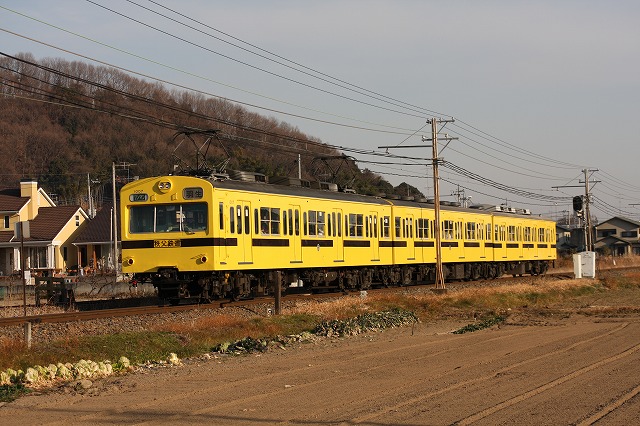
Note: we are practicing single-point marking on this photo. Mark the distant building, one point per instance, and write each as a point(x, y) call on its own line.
point(52, 230)
point(618, 235)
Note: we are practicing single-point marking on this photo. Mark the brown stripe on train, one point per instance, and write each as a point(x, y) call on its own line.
point(349, 243)
point(266, 242)
point(316, 243)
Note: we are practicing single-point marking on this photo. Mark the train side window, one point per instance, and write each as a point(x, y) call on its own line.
point(470, 231)
point(290, 222)
point(488, 233)
point(541, 235)
point(284, 222)
point(497, 233)
point(329, 233)
point(385, 226)
point(221, 212)
point(333, 215)
point(375, 227)
point(313, 218)
point(297, 222)
point(275, 221)
point(398, 226)
point(247, 220)
point(304, 223)
point(447, 229)
point(232, 219)
point(410, 227)
point(256, 222)
point(339, 224)
point(367, 226)
point(239, 213)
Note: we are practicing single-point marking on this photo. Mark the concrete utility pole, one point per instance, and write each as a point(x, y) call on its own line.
point(115, 224)
point(439, 281)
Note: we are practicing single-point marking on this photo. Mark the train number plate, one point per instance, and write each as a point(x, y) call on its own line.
point(166, 243)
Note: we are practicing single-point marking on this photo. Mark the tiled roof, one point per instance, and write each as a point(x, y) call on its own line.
point(50, 221)
point(98, 229)
point(11, 201)
point(5, 236)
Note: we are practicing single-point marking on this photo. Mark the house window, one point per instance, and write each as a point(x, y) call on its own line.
point(629, 234)
point(6, 222)
point(77, 220)
point(606, 232)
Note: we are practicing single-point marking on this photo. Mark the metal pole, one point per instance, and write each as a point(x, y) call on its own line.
point(299, 167)
point(22, 266)
point(436, 206)
point(115, 225)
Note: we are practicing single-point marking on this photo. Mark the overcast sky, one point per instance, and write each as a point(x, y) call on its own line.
point(539, 89)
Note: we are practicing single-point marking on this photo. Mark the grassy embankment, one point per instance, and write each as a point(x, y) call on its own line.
point(199, 336)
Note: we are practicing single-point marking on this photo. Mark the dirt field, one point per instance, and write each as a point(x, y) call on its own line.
point(556, 368)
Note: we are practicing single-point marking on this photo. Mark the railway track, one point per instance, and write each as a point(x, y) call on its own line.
point(145, 310)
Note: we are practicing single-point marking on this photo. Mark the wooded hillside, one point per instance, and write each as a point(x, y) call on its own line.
point(61, 120)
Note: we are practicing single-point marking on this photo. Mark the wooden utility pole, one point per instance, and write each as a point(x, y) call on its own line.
point(439, 279)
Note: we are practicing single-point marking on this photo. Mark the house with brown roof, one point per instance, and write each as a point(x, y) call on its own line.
point(95, 241)
point(49, 246)
point(619, 236)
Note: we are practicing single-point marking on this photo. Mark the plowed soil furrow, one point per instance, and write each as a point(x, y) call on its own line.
point(511, 375)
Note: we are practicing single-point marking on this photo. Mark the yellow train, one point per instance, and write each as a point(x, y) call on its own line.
point(208, 238)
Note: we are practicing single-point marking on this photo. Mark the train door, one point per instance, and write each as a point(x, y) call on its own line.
point(221, 241)
point(243, 232)
point(534, 239)
point(372, 226)
point(519, 240)
point(339, 236)
point(293, 227)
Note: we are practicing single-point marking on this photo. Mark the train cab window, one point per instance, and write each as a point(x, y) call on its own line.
point(269, 221)
point(398, 226)
point(297, 222)
point(190, 217)
point(221, 213)
point(385, 227)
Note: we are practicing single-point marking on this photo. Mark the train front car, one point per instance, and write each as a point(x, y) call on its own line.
point(167, 235)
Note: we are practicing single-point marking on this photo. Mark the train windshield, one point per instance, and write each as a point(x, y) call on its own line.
point(189, 217)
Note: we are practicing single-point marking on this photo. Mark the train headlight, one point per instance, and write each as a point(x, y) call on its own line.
point(164, 185)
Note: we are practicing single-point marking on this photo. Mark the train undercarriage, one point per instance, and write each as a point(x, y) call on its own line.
point(175, 286)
